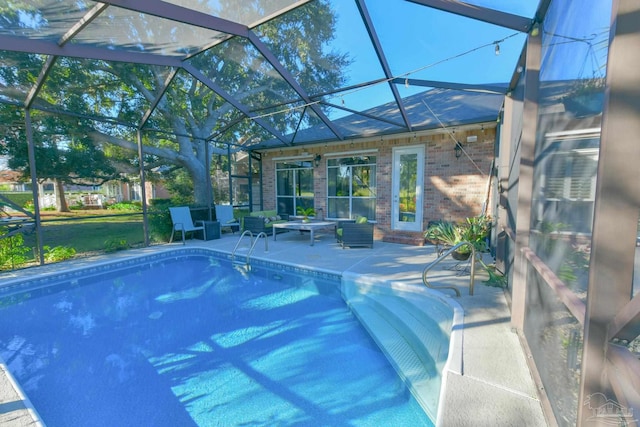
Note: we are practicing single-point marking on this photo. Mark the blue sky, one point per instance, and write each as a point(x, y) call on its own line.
point(423, 43)
point(577, 47)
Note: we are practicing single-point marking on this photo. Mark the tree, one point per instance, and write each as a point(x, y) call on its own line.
point(62, 155)
point(190, 112)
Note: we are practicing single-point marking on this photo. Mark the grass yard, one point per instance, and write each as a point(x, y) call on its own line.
point(89, 235)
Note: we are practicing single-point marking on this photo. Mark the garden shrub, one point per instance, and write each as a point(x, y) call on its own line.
point(13, 253)
point(114, 244)
point(58, 253)
point(132, 206)
point(159, 220)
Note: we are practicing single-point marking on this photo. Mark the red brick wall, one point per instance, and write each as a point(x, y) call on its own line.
point(455, 188)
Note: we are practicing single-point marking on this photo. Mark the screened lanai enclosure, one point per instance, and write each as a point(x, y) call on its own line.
point(527, 111)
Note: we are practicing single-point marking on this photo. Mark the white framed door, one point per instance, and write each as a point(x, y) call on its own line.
point(407, 188)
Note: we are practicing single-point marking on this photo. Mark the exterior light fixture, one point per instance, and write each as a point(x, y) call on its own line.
point(535, 30)
point(458, 149)
point(497, 48)
point(316, 160)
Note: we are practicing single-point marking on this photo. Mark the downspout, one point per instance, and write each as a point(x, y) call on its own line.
point(485, 203)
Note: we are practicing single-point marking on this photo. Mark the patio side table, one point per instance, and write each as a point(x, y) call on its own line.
point(212, 229)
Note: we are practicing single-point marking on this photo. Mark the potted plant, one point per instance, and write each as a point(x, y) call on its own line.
point(306, 213)
point(474, 230)
point(442, 233)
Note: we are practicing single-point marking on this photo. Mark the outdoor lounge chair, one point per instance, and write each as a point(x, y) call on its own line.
point(182, 221)
point(224, 215)
point(355, 233)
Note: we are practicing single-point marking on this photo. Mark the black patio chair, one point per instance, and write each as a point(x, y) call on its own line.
point(355, 233)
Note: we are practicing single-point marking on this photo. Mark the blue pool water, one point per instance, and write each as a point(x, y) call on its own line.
point(191, 341)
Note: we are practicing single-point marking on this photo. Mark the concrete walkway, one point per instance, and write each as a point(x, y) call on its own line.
point(495, 387)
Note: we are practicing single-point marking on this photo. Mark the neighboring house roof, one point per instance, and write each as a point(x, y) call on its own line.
point(10, 177)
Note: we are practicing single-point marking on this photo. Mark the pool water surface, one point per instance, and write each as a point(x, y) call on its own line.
point(193, 341)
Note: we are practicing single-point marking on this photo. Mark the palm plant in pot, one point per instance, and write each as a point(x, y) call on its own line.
point(474, 230)
point(306, 213)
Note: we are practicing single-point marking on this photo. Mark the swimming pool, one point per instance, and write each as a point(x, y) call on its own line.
point(206, 343)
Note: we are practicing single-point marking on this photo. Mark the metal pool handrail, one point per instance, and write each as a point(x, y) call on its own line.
point(443, 256)
point(266, 244)
point(244, 233)
point(252, 244)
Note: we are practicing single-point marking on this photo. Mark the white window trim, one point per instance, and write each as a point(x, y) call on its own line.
point(347, 154)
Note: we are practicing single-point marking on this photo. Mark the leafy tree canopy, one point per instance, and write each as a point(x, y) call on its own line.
point(188, 112)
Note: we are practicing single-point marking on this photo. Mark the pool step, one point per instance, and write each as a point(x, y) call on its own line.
point(419, 327)
point(413, 341)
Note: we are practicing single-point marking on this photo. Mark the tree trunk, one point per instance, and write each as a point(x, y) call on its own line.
point(194, 162)
point(61, 201)
point(199, 176)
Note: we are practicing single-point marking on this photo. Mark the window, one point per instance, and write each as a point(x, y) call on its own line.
point(568, 193)
point(572, 176)
point(135, 192)
point(294, 186)
point(351, 183)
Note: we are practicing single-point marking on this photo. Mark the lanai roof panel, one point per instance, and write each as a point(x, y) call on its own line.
point(342, 68)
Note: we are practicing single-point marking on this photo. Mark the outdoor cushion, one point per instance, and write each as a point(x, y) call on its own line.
point(267, 213)
point(270, 220)
point(360, 220)
point(270, 217)
point(257, 224)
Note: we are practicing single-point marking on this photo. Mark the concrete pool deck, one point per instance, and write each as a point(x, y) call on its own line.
point(495, 386)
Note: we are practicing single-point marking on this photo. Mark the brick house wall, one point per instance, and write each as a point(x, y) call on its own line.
point(454, 188)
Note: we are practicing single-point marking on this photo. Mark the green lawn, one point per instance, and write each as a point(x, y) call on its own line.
point(86, 234)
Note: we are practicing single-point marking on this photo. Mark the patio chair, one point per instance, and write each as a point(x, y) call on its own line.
point(224, 215)
point(182, 221)
point(355, 233)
